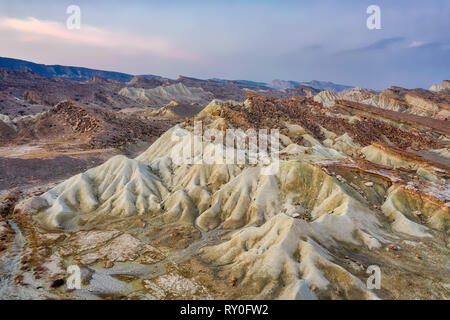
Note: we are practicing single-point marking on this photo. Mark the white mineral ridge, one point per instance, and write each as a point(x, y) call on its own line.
point(328, 97)
point(165, 94)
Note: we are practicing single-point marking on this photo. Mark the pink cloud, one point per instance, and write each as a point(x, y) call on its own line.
point(32, 29)
point(415, 44)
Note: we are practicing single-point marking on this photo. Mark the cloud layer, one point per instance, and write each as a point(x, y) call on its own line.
point(32, 30)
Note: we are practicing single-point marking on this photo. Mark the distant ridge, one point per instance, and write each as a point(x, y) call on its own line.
point(320, 85)
point(248, 82)
point(69, 72)
point(326, 85)
point(84, 74)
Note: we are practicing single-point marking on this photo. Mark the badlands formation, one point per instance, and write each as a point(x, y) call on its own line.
point(361, 181)
point(163, 95)
point(444, 87)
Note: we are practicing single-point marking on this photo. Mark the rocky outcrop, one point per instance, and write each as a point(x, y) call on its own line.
point(148, 82)
point(328, 98)
point(31, 97)
point(162, 95)
point(445, 86)
point(92, 127)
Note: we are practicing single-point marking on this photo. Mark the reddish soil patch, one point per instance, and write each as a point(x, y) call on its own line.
point(270, 112)
point(442, 126)
point(16, 172)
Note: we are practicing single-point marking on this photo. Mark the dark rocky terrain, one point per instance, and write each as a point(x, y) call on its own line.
point(27, 93)
point(57, 71)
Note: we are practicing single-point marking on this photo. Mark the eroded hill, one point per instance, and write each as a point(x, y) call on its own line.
point(355, 187)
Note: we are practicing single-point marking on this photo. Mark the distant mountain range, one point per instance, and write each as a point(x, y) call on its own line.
point(320, 85)
point(83, 74)
point(247, 82)
point(68, 72)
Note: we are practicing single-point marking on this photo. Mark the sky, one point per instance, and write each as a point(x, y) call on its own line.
point(257, 40)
